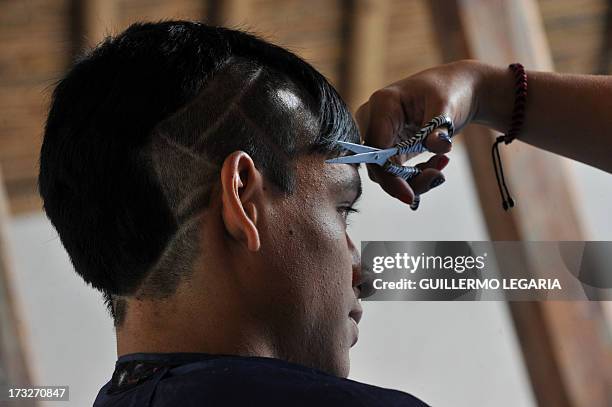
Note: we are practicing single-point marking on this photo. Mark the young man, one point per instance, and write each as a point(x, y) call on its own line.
point(183, 168)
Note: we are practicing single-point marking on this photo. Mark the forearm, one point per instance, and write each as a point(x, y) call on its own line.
point(570, 115)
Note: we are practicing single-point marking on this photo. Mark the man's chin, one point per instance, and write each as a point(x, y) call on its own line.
point(330, 354)
point(345, 368)
point(336, 365)
point(341, 365)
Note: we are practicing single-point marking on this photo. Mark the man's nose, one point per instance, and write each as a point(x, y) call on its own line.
point(362, 277)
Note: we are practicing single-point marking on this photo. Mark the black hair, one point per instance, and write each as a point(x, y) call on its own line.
point(138, 129)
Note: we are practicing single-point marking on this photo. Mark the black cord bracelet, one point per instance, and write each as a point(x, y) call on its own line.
point(518, 117)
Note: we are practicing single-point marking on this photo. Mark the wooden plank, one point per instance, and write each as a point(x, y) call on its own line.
point(99, 20)
point(365, 57)
point(566, 356)
point(131, 11)
point(14, 366)
point(29, 66)
point(574, 29)
point(312, 30)
point(410, 40)
point(230, 13)
point(604, 63)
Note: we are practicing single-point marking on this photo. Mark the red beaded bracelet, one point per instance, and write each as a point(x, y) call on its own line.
point(518, 116)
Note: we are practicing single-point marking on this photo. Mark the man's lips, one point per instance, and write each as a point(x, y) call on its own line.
point(355, 317)
point(356, 312)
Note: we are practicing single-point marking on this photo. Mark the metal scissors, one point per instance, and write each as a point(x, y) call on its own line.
point(373, 155)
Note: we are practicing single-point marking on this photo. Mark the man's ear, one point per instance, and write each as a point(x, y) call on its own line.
point(241, 187)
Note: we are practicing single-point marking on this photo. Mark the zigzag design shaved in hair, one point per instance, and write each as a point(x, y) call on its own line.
point(187, 150)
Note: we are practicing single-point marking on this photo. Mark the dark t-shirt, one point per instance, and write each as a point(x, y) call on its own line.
point(198, 379)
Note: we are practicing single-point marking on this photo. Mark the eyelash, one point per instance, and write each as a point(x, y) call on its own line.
point(347, 210)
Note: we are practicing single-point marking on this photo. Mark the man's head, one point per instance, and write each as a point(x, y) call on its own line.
point(183, 168)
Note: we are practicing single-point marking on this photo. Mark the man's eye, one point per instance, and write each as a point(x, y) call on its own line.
point(347, 210)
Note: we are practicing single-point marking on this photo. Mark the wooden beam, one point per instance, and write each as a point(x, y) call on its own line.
point(230, 13)
point(563, 346)
point(91, 21)
point(99, 17)
point(14, 366)
point(605, 55)
point(365, 53)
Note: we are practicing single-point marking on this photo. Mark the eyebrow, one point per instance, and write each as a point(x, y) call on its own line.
point(352, 183)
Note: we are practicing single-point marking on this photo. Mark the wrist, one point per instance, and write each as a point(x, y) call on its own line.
point(494, 96)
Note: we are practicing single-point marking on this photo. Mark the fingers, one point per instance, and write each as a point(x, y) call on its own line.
point(380, 120)
point(438, 141)
point(398, 188)
point(392, 185)
point(430, 176)
point(438, 162)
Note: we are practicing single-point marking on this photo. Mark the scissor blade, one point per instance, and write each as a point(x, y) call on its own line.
point(349, 159)
point(376, 157)
point(357, 148)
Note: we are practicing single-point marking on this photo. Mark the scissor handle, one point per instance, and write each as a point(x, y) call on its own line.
point(405, 172)
point(415, 144)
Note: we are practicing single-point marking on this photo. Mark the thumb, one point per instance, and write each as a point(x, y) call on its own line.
point(439, 140)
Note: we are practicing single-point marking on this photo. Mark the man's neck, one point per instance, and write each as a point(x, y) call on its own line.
point(160, 327)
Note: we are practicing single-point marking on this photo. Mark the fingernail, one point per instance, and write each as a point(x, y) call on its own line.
point(415, 203)
point(436, 182)
point(442, 161)
point(404, 198)
point(445, 137)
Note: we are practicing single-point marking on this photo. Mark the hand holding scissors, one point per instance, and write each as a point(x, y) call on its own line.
point(411, 146)
point(451, 90)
